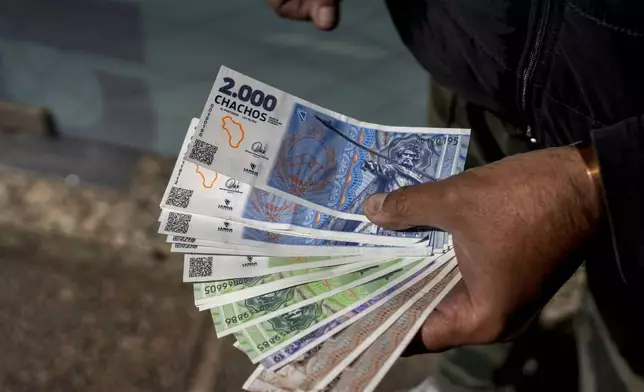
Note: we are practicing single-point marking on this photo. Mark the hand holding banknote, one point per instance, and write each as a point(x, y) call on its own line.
point(513, 223)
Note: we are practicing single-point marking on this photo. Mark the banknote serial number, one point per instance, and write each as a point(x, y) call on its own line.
point(239, 318)
point(448, 140)
point(214, 288)
point(268, 343)
point(243, 316)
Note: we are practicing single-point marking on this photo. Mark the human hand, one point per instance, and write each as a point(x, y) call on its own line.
point(324, 13)
point(513, 223)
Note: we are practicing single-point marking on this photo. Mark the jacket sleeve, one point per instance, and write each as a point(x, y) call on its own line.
point(620, 153)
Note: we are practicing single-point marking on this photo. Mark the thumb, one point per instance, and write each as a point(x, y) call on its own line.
point(325, 13)
point(412, 206)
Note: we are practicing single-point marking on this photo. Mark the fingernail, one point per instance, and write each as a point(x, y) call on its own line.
point(374, 203)
point(325, 16)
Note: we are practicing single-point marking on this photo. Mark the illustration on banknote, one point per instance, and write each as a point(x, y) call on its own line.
point(271, 301)
point(339, 165)
point(297, 319)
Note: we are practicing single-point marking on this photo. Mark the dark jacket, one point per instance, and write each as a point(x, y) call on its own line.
point(565, 71)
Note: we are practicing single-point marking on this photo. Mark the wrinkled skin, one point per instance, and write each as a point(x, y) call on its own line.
point(514, 224)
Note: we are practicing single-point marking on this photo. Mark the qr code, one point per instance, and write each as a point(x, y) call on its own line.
point(178, 223)
point(179, 197)
point(200, 267)
point(179, 238)
point(203, 152)
point(185, 246)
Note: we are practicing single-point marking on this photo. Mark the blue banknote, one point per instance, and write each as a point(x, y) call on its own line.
point(337, 165)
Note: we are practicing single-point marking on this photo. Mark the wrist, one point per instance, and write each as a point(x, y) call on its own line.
point(583, 173)
point(587, 153)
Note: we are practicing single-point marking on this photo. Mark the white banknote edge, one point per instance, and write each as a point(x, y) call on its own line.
point(295, 250)
point(357, 282)
point(412, 332)
point(380, 330)
point(186, 243)
point(207, 225)
point(291, 281)
point(253, 377)
point(437, 262)
point(236, 269)
point(229, 232)
point(433, 242)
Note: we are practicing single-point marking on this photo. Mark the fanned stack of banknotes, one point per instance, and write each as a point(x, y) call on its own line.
point(266, 201)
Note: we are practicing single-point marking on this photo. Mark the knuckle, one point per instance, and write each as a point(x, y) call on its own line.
point(282, 12)
point(402, 201)
point(275, 4)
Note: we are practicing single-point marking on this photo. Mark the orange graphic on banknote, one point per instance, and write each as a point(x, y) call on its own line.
point(273, 238)
point(272, 208)
point(207, 184)
point(234, 130)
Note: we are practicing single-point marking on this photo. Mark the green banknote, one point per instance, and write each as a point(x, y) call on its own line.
point(208, 268)
point(211, 294)
point(277, 331)
point(231, 317)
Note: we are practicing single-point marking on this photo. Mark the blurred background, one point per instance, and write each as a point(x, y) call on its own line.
point(95, 97)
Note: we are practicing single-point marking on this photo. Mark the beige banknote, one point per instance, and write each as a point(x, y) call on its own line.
point(317, 368)
point(262, 381)
point(341, 350)
point(369, 368)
